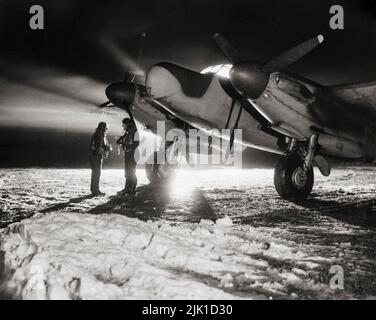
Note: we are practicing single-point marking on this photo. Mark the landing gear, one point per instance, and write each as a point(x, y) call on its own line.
point(291, 179)
point(293, 175)
point(157, 172)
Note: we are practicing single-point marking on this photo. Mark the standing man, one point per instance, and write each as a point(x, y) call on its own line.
point(99, 149)
point(129, 143)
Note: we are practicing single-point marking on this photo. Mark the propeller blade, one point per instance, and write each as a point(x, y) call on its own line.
point(141, 49)
point(292, 55)
point(104, 105)
point(132, 75)
point(228, 50)
point(107, 109)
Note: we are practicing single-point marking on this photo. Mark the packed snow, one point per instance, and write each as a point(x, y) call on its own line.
point(215, 234)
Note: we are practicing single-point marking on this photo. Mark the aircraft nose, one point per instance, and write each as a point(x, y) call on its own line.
point(248, 79)
point(121, 93)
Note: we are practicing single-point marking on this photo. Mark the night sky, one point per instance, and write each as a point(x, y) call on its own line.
point(50, 80)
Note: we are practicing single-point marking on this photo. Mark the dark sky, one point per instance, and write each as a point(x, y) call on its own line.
point(50, 79)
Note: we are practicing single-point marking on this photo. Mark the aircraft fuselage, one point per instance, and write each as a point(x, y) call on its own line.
point(291, 106)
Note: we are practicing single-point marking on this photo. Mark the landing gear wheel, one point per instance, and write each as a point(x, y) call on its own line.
point(159, 172)
point(291, 180)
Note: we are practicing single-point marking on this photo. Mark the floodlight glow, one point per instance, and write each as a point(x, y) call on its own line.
point(222, 70)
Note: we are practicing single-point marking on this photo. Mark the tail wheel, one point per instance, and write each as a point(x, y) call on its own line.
point(291, 180)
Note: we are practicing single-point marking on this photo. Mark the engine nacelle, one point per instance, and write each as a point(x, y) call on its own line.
point(339, 147)
point(121, 93)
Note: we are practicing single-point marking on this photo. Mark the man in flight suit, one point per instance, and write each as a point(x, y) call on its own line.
point(129, 143)
point(99, 149)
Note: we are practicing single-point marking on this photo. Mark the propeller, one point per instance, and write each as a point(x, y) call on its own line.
point(104, 105)
point(135, 68)
point(250, 78)
point(292, 55)
point(122, 94)
point(228, 50)
point(140, 52)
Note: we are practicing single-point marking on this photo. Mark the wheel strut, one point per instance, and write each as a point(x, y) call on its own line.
point(311, 150)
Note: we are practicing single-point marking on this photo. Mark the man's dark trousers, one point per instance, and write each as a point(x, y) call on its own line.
point(96, 168)
point(130, 168)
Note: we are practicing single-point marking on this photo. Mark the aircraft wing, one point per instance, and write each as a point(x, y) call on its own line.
point(361, 97)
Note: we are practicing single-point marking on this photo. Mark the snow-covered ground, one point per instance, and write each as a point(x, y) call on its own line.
point(216, 234)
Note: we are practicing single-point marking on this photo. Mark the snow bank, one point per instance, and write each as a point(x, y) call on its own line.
point(83, 256)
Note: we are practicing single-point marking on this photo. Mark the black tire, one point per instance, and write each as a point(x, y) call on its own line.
point(151, 172)
point(154, 174)
point(290, 180)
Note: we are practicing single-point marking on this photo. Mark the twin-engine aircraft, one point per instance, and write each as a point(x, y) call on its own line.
point(280, 112)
